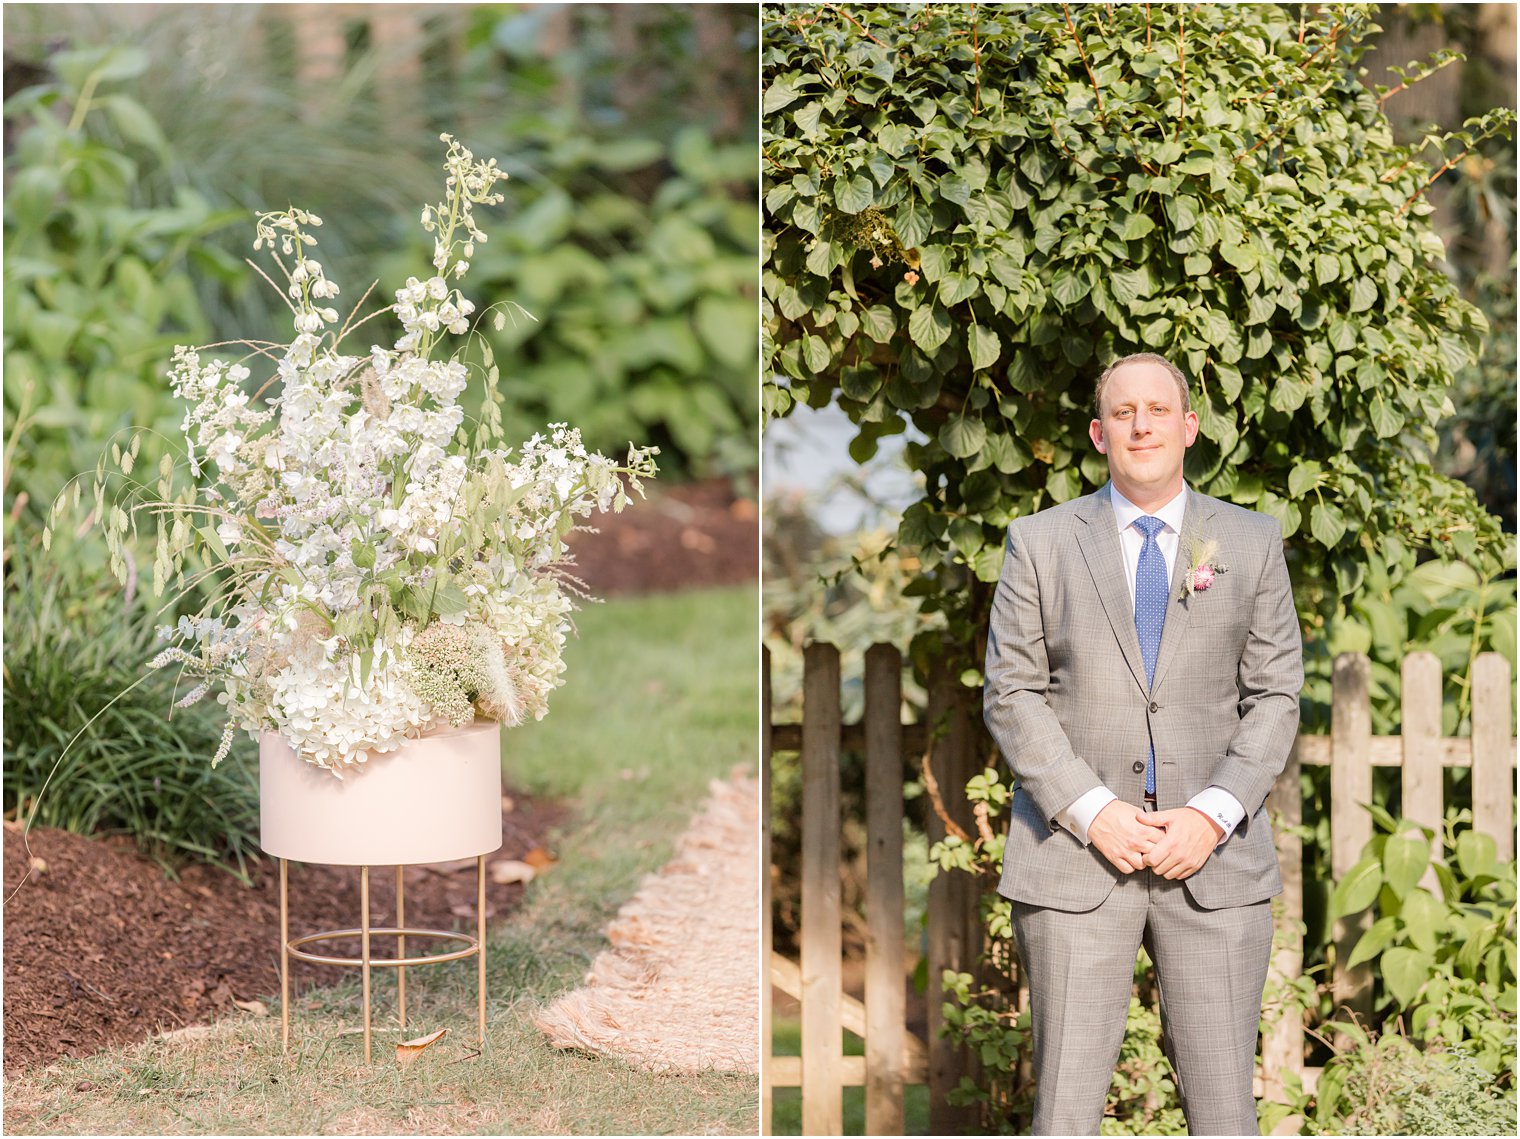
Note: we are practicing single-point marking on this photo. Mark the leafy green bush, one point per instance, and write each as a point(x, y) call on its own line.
point(1453, 609)
point(91, 744)
point(632, 243)
point(1446, 963)
point(1384, 1085)
point(643, 320)
point(972, 209)
point(97, 288)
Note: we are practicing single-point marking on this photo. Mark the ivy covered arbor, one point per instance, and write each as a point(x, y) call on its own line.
point(971, 209)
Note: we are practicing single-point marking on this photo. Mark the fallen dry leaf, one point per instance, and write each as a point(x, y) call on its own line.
point(408, 1050)
point(509, 870)
point(540, 859)
point(694, 539)
point(255, 1007)
point(194, 1032)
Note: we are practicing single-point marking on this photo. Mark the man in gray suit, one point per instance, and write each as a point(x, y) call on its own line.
point(1143, 670)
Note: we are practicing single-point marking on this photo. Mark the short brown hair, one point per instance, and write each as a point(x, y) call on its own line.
point(1141, 358)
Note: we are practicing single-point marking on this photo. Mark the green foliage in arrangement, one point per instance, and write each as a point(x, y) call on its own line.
point(1385, 1085)
point(1446, 960)
point(633, 315)
point(97, 287)
point(971, 209)
point(75, 649)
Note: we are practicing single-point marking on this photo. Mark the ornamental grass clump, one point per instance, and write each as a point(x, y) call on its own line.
point(383, 570)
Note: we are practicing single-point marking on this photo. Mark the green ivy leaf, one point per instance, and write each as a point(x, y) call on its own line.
point(913, 222)
point(1068, 288)
point(878, 323)
point(1404, 972)
point(1364, 294)
point(1378, 938)
point(985, 347)
point(1423, 918)
point(962, 436)
point(779, 94)
point(851, 195)
point(1476, 853)
point(1303, 477)
point(929, 326)
point(1358, 889)
point(1404, 862)
point(860, 382)
point(1326, 523)
point(1386, 422)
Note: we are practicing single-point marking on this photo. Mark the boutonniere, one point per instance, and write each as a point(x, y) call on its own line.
point(1202, 568)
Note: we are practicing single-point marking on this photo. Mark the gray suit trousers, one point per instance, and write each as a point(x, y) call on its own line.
point(1211, 967)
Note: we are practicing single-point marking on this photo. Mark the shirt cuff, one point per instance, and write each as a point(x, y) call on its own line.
point(1219, 805)
point(1079, 815)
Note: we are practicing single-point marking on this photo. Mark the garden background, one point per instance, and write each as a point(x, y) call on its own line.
point(946, 269)
point(139, 142)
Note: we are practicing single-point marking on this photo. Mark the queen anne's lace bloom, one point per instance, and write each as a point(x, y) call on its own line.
point(385, 580)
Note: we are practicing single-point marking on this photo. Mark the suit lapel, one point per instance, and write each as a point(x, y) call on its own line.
point(1098, 539)
point(1195, 519)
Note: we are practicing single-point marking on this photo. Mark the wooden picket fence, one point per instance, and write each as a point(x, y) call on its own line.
point(895, 1057)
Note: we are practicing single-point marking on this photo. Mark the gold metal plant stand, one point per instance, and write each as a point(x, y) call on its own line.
point(290, 947)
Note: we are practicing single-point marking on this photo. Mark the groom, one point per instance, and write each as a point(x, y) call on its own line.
point(1143, 670)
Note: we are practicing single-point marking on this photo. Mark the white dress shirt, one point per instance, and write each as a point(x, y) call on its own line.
point(1215, 802)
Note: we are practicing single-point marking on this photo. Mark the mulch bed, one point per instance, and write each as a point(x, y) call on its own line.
point(694, 535)
point(102, 948)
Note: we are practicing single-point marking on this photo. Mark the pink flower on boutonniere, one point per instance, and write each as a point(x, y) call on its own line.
point(1202, 568)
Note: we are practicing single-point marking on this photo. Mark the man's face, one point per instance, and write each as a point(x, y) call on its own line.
point(1143, 429)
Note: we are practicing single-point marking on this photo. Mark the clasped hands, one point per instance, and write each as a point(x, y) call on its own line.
point(1175, 844)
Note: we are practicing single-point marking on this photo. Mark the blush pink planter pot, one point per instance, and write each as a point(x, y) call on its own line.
point(435, 799)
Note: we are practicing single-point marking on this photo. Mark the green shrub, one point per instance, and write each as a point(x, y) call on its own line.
point(1453, 609)
point(97, 288)
point(1445, 963)
point(643, 313)
point(92, 742)
point(972, 209)
point(1384, 1085)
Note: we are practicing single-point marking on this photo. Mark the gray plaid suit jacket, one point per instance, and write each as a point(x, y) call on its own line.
point(1067, 701)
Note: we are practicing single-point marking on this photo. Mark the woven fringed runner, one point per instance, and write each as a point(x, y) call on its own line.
point(680, 987)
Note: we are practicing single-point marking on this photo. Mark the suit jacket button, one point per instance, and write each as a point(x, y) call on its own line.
point(1155, 707)
point(1139, 766)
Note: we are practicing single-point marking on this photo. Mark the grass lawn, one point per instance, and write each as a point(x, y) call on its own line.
point(661, 698)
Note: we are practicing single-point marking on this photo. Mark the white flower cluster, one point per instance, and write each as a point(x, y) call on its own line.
point(352, 519)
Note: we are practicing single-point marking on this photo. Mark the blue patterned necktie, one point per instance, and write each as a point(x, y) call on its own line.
point(1150, 613)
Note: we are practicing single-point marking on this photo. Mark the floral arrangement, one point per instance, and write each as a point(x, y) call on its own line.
point(1202, 568)
point(384, 570)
